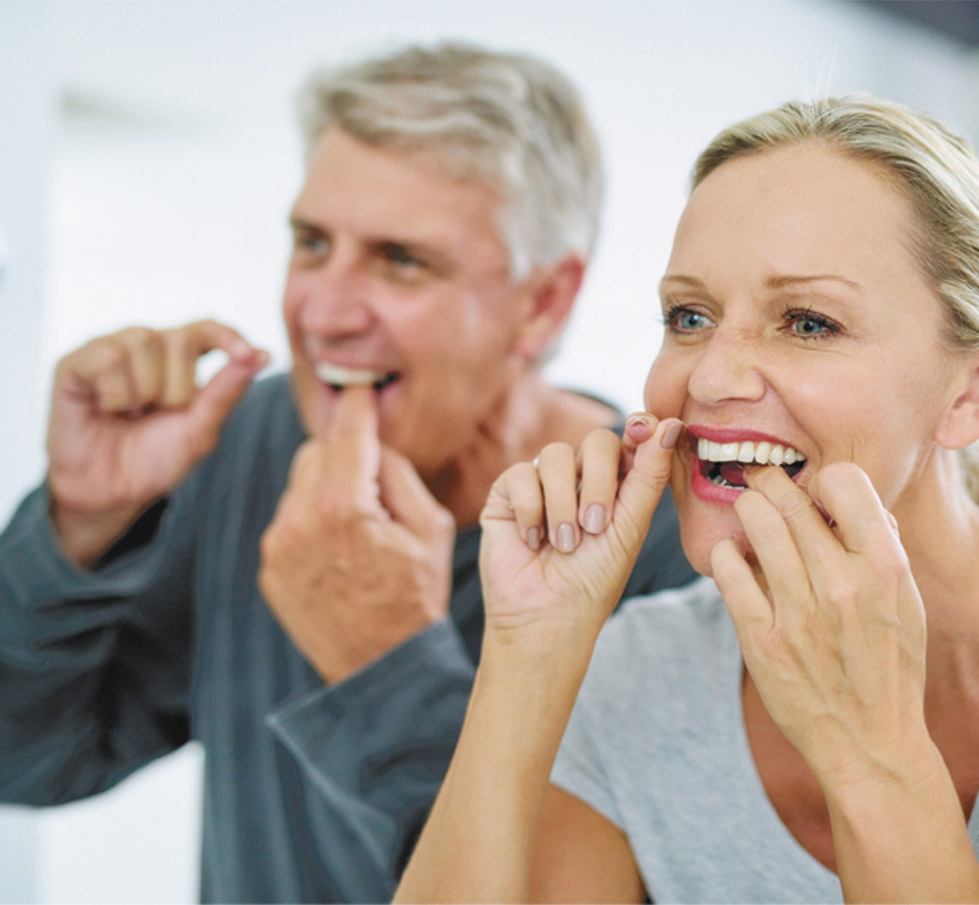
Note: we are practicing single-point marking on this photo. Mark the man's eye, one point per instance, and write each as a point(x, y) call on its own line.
point(312, 243)
point(399, 255)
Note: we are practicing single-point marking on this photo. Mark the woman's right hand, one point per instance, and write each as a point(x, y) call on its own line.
point(561, 535)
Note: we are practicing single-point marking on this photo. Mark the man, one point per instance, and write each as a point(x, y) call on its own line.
point(286, 571)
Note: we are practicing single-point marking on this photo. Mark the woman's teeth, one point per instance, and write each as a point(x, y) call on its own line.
point(339, 377)
point(723, 463)
point(762, 452)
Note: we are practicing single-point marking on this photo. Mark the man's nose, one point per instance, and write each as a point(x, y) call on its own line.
point(729, 368)
point(338, 299)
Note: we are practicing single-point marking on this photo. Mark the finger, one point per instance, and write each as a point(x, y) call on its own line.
point(639, 427)
point(410, 502)
point(526, 498)
point(751, 612)
point(643, 484)
point(351, 435)
point(210, 408)
point(146, 363)
point(559, 480)
point(599, 459)
point(776, 552)
point(105, 364)
point(862, 522)
point(517, 496)
point(814, 540)
point(184, 347)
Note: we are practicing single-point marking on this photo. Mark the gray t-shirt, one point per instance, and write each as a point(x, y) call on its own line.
point(657, 745)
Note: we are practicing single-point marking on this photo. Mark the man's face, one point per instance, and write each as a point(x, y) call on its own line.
point(399, 277)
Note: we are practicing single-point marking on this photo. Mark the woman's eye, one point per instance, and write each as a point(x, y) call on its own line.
point(809, 324)
point(685, 320)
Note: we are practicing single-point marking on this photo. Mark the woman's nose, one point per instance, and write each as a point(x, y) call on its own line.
point(729, 368)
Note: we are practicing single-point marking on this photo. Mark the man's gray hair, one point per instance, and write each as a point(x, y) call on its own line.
point(507, 120)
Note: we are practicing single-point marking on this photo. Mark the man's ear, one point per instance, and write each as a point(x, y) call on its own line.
point(552, 291)
point(960, 425)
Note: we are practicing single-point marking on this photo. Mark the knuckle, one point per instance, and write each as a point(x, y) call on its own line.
point(107, 354)
point(556, 451)
point(840, 593)
point(794, 506)
point(602, 439)
point(139, 338)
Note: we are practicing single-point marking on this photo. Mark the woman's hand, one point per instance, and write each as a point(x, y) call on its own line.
point(560, 536)
point(832, 630)
point(830, 621)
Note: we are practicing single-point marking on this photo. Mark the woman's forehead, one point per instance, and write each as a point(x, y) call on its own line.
point(798, 209)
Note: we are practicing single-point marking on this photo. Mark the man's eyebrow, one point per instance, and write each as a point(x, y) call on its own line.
point(296, 222)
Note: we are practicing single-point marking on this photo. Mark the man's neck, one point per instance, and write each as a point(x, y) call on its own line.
point(517, 428)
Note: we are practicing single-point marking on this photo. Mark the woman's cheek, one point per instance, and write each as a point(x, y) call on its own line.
point(665, 390)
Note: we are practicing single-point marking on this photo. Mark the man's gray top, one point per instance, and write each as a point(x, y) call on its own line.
point(657, 744)
point(312, 792)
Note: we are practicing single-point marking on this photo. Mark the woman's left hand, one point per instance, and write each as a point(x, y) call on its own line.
point(829, 619)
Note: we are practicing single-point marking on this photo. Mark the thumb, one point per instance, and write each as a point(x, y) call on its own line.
point(212, 405)
point(405, 496)
point(648, 474)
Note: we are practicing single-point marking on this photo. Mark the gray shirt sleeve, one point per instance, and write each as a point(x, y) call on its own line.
point(378, 744)
point(91, 684)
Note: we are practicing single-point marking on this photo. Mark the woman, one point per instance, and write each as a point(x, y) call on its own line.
point(770, 733)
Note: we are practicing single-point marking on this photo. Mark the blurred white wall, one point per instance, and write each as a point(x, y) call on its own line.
point(147, 163)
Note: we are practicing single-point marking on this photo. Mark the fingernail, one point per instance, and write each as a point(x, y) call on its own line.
point(594, 518)
point(639, 419)
point(566, 537)
point(671, 435)
point(533, 538)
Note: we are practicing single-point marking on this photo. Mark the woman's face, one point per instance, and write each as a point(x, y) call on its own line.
point(799, 330)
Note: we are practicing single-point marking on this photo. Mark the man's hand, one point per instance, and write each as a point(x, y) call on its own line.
point(128, 423)
point(359, 555)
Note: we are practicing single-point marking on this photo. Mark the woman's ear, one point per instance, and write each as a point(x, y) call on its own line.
point(552, 291)
point(960, 425)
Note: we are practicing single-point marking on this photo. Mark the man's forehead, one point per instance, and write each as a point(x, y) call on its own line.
point(383, 194)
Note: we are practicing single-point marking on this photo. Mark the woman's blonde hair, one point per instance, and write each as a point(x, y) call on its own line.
point(934, 168)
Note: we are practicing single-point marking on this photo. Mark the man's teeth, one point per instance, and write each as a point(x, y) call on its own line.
point(763, 452)
point(338, 376)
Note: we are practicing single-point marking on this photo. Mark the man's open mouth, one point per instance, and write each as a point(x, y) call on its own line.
point(338, 377)
point(723, 464)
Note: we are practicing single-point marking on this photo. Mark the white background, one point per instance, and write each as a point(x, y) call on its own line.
point(147, 162)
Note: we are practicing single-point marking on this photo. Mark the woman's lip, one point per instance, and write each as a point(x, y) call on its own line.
point(734, 435)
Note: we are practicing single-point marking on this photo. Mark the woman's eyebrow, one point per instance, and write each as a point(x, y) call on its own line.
point(682, 279)
point(780, 281)
point(775, 281)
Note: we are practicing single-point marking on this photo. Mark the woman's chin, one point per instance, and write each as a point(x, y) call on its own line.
point(698, 542)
